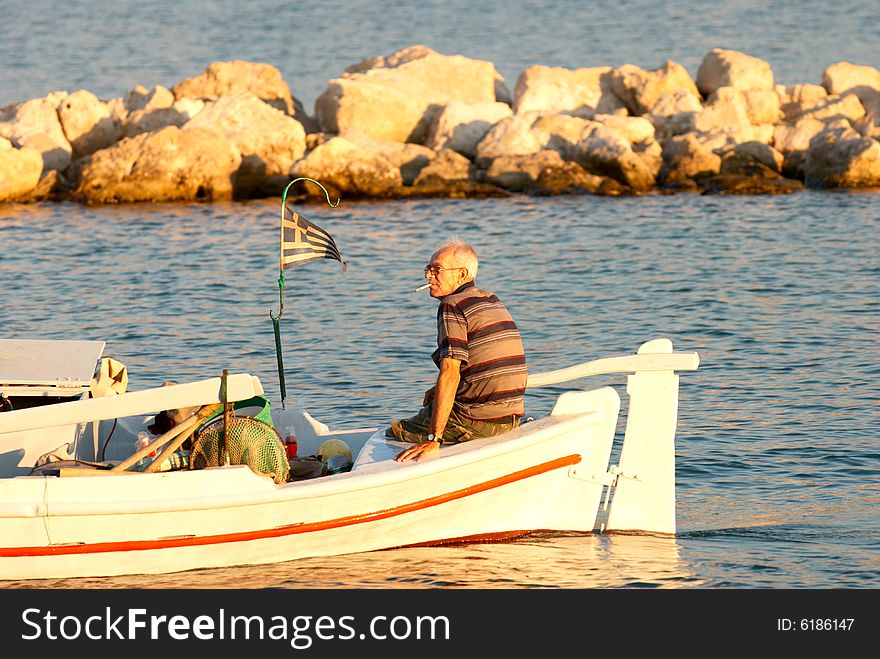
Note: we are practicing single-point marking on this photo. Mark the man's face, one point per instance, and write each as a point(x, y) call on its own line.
point(444, 273)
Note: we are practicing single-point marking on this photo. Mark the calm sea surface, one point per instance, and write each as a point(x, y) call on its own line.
point(109, 46)
point(779, 432)
point(777, 445)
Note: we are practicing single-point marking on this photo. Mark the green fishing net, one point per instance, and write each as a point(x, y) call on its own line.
point(246, 441)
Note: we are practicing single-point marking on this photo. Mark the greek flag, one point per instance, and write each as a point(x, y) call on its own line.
point(303, 241)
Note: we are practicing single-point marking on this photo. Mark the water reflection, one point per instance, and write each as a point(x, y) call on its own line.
point(535, 561)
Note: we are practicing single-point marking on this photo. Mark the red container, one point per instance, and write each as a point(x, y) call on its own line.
point(290, 443)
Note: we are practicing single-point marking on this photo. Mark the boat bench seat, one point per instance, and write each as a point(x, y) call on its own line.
point(378, 448)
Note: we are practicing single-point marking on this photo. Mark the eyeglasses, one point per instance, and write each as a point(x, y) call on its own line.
point(435, 270)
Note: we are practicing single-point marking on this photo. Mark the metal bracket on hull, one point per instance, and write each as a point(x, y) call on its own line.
point(616, 471)
point(608, 479)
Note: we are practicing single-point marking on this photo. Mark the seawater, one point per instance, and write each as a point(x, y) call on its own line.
point(777, 476)
point(109, 46)
point(776, 451)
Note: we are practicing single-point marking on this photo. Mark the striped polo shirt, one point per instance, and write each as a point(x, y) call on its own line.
point(475, 327)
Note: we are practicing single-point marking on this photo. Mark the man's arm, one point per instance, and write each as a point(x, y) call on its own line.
point(447, 385)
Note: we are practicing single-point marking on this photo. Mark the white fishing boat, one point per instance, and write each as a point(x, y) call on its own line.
point(76, 499)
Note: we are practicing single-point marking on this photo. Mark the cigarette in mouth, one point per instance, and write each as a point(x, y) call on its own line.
point(423, 287)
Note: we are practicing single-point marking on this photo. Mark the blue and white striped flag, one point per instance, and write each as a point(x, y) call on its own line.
point(303, 241)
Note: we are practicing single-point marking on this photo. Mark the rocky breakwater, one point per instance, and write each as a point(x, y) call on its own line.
point(420, 123)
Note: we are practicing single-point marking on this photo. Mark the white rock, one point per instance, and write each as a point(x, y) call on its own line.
point(725, 111)
point(685, 157)
point(843, 76)
point(512, 136)
point(562, 132)
point(842, 158)
point(742, 158)
point(606, 153)
point(448, 166)
point(549, 89)
point(416, 52)
point(651, 153)
point(762, 106)
point(269, 140)
point(410, 159)
point(460, 126)
point(676, 102)
point(236, 77)
point(869, 125)
point(165, 165)
point(789, 138)
point(633, 129)
point(188, 107)
point(141, 98)
point(20, 170)
point(641, 90)
point(762, 133)
point(35, 123)
point(87, 123)
point(148, 121)
point(517, 172)
point(848, 106)
point(731, 68)
point(346, 168)
point(674, 114)
point(399, 103)
point(799, 93)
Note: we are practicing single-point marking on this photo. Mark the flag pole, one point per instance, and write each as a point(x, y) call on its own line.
point(276, 320)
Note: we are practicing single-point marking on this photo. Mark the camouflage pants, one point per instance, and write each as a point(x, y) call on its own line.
point(458, 429)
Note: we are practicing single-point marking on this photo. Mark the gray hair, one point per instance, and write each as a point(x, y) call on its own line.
point(465, 255)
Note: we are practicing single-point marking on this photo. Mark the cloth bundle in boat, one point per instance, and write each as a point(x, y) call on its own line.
point(110, 378)
point(249, 440)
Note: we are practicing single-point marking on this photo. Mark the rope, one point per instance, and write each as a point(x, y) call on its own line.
point(107, 441)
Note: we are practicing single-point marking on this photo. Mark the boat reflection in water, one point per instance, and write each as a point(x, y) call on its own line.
point(536, 561)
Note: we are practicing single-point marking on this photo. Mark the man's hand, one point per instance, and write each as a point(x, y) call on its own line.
point(418, 451)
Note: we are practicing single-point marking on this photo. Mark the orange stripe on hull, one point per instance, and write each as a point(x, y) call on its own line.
point(292, 529)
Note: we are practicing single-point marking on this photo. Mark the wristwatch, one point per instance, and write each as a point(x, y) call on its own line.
point(433, 438)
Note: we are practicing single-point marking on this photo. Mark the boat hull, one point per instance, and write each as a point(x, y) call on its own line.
point(542, 476)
